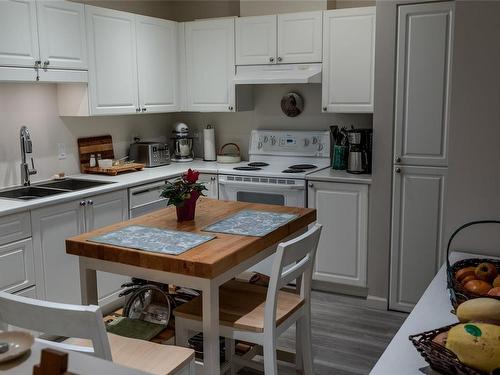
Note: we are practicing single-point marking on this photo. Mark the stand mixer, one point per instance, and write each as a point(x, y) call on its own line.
point(182, 150)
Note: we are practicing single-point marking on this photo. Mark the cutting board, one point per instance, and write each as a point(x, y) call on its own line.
point(94, 145)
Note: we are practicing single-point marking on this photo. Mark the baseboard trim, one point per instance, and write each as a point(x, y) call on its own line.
point(349, 290)
point(378, 303)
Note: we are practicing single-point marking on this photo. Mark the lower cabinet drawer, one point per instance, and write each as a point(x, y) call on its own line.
point(29, 292)
point(17, 270)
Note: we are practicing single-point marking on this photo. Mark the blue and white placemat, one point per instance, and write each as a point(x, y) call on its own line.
point(250, 223)
point(153, 239)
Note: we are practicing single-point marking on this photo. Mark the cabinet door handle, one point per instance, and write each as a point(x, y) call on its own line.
point(311, 185)
point(137, 109)
point(83, 203)
point(143, 109)
point(398, 160)
point(398, 170)
point(46, 63)
point(271, 59)
point(212, 178)
point(230, 107)
point(279, 59)
point(325, 109)
point(90, 202)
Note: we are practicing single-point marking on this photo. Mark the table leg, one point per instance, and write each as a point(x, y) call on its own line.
point(211, 349)
point(88, 284)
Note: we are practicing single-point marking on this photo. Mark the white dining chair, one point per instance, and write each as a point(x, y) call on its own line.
point(260, 315)
point(86, 322)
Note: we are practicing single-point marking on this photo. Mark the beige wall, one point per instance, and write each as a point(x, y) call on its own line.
point(153, 8)
point(35, 106)
point(262, 7)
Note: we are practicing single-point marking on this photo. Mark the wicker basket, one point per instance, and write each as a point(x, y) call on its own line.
point(437, 356)
point(458, 293)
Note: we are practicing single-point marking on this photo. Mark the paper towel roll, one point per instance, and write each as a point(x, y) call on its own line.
point(209, 144)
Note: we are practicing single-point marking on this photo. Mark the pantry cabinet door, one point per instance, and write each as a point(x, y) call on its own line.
point(256, 40)
point(210, 65)
point(423, 84)
point(417, 222)
point(348, 60)
point(61, 29)
point(103, 210)
point(300, 37)
point(157, 64)
point(342, 209)
point(18, 33)
point(113, 83)
point(58, 280)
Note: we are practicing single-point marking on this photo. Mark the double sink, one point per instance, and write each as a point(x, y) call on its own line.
point(46, 189)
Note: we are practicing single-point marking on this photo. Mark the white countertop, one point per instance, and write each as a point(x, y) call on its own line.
point(121, 181)
point(331, 175)
point(432, 311)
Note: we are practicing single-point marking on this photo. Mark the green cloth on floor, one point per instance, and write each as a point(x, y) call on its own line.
point(134, 328)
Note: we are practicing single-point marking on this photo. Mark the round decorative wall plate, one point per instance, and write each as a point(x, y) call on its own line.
point(292, 104)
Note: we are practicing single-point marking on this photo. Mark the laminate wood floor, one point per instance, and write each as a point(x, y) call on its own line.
point(348, 337)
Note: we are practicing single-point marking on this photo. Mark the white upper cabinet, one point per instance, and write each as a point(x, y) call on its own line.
point(61, 30)
point(210, 65)
point(113, 82)
point(18, 33)
point(299, 37)
point(157, 64)
point(348, 60)
point(256, 40)
point(282, 39)
point(423, 83)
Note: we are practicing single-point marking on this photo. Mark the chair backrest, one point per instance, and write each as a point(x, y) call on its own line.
point(78, 321)
point(294, 260)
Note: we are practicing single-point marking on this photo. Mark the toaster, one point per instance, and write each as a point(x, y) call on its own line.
point(151, 154)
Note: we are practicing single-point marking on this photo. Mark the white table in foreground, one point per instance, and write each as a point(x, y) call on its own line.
point(78, 363)
point(432, 311)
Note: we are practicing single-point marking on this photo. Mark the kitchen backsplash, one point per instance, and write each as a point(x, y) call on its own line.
point(35, 106)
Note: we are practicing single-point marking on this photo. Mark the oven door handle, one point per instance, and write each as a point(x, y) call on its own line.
point(247, 183)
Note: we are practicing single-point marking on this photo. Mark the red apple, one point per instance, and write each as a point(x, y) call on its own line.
point(496, 282)
point(464, 272)
point(494, 292)
point(486, 272)
point(478, 286)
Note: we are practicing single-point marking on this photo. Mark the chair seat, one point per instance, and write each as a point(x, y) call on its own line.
point(241, 306)
point(144, 355)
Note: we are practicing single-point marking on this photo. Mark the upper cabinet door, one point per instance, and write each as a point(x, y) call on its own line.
point(423, 84)
point(112, 61)
point(256, 40)
point(18, 33)
point(157, 64)
point(210, 65)
point(61, 29)
point(299, 37)
point(348, 60)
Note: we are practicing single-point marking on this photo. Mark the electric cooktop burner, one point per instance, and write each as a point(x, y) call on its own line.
point(302, 166)
point(247, 168)
point(293, 171)
point(258, 164)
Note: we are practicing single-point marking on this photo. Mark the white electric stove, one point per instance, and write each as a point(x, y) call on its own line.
point(276, 171)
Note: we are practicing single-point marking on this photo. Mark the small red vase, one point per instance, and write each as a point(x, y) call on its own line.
point(186, 211)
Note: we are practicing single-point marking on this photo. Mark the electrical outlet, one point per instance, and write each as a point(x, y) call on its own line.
point(61, 151)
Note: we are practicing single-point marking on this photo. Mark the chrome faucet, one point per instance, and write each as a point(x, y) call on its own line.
point(26, 148)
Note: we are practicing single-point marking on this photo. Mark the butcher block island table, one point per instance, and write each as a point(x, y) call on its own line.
point(205, 267)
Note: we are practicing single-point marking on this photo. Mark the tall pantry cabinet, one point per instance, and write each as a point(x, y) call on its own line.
point(424, 44)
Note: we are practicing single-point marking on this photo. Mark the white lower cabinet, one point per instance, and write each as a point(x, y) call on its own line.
point(417, 222)
point(342, 209)
point(17, 269)
point(211, 183)
point(59, 277)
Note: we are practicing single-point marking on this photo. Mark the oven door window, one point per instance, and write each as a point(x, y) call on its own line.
point(265, 198)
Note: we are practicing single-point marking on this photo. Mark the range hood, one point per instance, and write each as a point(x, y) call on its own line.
point(277, 74)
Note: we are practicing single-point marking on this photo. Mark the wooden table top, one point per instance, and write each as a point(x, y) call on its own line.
point(207, 260)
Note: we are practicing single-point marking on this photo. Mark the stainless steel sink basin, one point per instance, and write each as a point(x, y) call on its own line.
point(46, 189)
point(27, 193)
point(72, 184)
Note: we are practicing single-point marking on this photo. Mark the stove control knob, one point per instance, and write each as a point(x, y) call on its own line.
point(273, 140)
point(320, 146)
point(266, 138)
point(306, 142)
point(259, 146)
point(315, 140)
